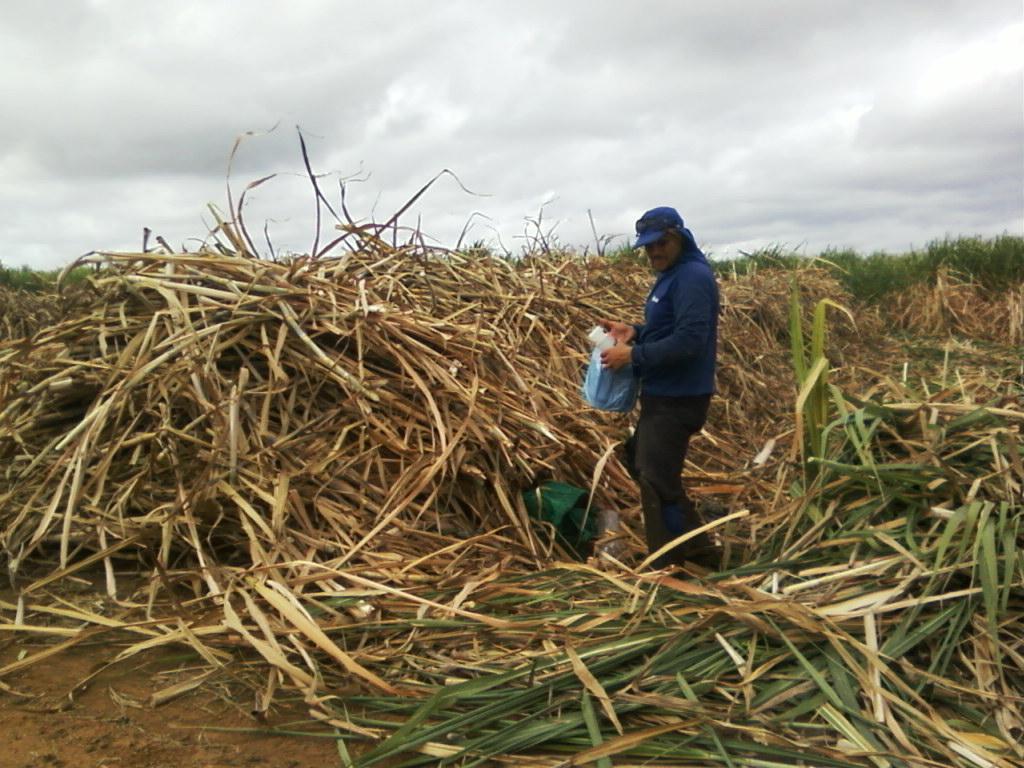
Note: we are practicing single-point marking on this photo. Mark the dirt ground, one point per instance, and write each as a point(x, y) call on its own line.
point(108, 723)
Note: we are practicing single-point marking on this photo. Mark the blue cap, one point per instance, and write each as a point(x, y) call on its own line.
point(655, 223)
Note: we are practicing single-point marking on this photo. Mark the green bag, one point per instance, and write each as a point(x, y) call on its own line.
point(565, 507)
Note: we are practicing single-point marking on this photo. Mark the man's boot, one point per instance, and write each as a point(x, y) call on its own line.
point(698, 549)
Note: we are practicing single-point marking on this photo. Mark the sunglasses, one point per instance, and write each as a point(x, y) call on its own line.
point(654, 223)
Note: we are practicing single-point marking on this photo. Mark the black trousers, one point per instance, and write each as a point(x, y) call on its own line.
point(654, 457)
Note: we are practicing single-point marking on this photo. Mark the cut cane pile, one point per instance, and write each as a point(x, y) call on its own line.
point(360, 409)
point(233, 411)
point(324, 461)
point(23, 313)
point(960, 306)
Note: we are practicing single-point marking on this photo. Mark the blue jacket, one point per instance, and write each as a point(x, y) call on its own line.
point(675, 349)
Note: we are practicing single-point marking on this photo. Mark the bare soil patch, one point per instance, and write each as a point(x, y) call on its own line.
point(55, 721)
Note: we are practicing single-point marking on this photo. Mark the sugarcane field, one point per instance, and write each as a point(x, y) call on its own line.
point(350, 508)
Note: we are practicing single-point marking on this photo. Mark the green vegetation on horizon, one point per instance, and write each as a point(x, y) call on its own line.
point(995, 263)
point(26, 279)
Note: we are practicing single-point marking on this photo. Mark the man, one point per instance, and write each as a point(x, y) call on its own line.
point(673, 353)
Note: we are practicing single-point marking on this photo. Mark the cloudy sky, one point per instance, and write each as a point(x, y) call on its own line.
point(873, 124)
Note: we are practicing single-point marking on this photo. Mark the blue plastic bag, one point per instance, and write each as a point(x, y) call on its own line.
point(607, 389)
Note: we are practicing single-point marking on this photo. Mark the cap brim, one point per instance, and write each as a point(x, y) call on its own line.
point(648, 237)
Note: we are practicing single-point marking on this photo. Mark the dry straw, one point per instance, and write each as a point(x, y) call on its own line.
point(956, 305)
point(322, 460)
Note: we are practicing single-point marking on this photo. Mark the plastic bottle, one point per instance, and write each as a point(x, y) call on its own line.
point(600, 338)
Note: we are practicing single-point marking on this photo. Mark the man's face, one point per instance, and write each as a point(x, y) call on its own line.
point(664, 252)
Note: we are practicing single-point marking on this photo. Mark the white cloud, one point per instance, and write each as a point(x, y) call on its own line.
point(872, 124)
point(998, 54)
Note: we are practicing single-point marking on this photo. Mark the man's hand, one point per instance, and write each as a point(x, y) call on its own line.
point(616, 357)
point(621, 332)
